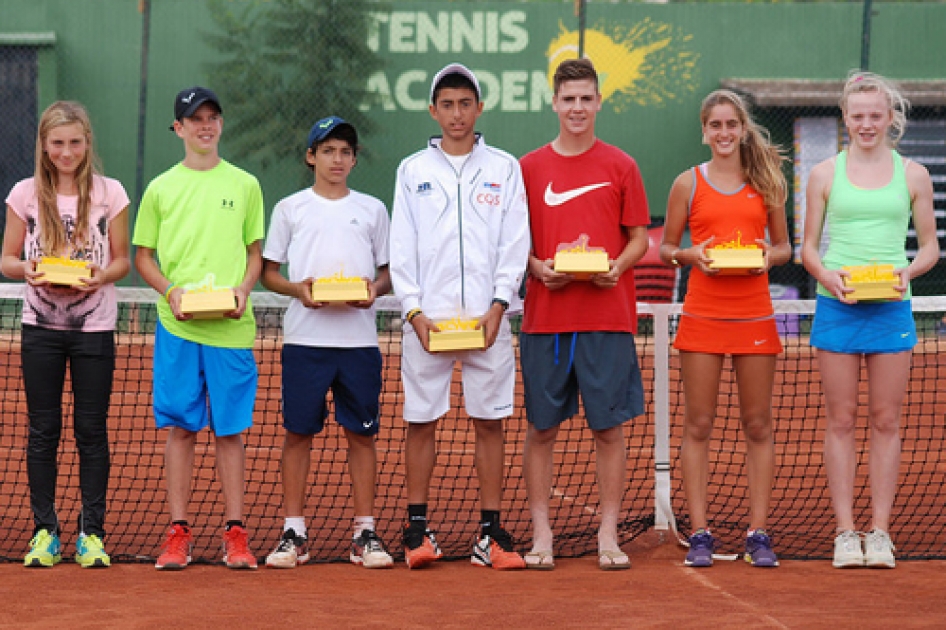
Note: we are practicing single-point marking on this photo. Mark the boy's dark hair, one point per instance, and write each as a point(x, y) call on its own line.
point(457, 81)
point(574, 70)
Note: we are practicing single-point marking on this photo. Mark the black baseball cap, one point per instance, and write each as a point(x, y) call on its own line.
point(187, 101)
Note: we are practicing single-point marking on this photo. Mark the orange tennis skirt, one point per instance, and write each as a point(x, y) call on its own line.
point(727, 336)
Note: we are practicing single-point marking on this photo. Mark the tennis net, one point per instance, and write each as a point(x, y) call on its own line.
point(801, 520)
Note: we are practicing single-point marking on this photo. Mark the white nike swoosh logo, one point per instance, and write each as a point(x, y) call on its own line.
point(557, 199)
point(759, 342)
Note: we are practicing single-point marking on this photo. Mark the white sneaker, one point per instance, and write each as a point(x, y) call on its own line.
point(289, 553)
point(879, 550)
point(847, 550)
point(368, 551)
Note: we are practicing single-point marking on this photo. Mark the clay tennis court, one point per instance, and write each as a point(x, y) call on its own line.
point(657, 592)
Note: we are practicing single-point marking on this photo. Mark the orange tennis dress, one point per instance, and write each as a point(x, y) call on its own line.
point(727, 314)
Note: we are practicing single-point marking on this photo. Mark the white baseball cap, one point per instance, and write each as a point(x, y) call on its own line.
point(455, 68)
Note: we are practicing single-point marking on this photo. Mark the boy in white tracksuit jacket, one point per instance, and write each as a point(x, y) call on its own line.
point(459, 247)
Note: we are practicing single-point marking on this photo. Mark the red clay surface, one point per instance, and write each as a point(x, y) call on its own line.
point(658, 592)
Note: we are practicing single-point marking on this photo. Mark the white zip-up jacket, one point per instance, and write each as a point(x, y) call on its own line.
point(459, 240)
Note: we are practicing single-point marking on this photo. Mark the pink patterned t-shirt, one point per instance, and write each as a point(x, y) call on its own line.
point(64, 308)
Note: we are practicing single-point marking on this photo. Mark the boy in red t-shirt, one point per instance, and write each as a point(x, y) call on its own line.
point(577, 331)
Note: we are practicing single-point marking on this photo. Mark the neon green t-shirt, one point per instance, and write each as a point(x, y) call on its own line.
point(200, 223)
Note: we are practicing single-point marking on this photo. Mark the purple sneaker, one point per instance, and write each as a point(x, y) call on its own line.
point(759, 550)
point(702, 545)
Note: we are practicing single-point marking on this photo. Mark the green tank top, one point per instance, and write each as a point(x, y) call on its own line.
point(867, 227)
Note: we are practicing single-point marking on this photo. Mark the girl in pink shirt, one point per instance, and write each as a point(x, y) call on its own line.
point(67, 210)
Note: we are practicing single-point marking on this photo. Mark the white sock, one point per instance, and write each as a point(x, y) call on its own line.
point(297, 524)
point(362, 523)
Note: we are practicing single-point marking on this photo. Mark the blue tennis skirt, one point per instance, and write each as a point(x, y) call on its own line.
point(863, 328)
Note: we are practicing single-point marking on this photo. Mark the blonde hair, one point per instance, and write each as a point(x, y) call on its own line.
point(858, 82)
point(54, 240)
point(761, 159)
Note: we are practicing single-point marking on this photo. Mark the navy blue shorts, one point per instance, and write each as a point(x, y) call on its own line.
point(352, 374)
point(602, 366)
point(863, 328)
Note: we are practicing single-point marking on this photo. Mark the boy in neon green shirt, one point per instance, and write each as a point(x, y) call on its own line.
point(200, 225)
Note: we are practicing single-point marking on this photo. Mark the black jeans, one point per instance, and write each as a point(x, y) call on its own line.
point(91, 359)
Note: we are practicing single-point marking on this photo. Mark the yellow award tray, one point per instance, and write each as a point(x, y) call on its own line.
point(446, 341)
point(736, 261)
point(62, 271)
point(582, 264)
point(355, 290)
point(873, 291)
point(208, 304)
point(871, 282)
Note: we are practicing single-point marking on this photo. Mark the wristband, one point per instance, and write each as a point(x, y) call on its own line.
point(167, 292)
point(414, 312)
point(501, 302)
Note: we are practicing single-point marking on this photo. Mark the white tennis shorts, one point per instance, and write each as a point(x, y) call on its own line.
point(489, 378)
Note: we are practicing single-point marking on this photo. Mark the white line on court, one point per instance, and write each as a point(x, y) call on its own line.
point(700, 577)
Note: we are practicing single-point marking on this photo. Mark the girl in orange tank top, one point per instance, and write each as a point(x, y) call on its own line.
point(728, 202)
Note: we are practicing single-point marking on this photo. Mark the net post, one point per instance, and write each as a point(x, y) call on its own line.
point(663, 510)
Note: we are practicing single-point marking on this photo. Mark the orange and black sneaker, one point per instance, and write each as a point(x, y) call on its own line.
point(420, 547)
point(176, 551)
point(495, 550)
point(236, 549)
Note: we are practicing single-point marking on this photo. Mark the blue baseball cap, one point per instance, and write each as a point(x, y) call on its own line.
point(324, 127)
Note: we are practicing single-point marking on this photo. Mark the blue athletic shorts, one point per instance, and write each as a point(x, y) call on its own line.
point(353, 375)
point(602, 366)
point(863, 328)
point(196, 385)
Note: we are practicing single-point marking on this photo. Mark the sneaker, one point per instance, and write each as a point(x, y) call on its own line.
point(847, 550)
point(495, 550)
point(878, 550)
point(291, 551)
point(236, 549)
point(759, 550)
point(90, 552)
point(702, 545)
point(420, 547)
point(45, 550)
point(176, 551)
point(368, 551)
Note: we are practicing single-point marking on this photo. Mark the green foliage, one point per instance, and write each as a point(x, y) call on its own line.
point(288, 63)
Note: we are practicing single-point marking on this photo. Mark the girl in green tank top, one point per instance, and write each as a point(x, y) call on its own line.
point(866, 195)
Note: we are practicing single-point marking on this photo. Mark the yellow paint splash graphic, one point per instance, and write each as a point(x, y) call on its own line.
point(647, 64)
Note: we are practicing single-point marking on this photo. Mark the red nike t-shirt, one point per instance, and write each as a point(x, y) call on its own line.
point(597, 193)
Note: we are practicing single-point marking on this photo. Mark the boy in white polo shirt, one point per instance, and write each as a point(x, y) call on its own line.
point(323, 231)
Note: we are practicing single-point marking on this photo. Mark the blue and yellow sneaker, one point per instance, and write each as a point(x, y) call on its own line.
point(45, 550)
point(90, 552)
